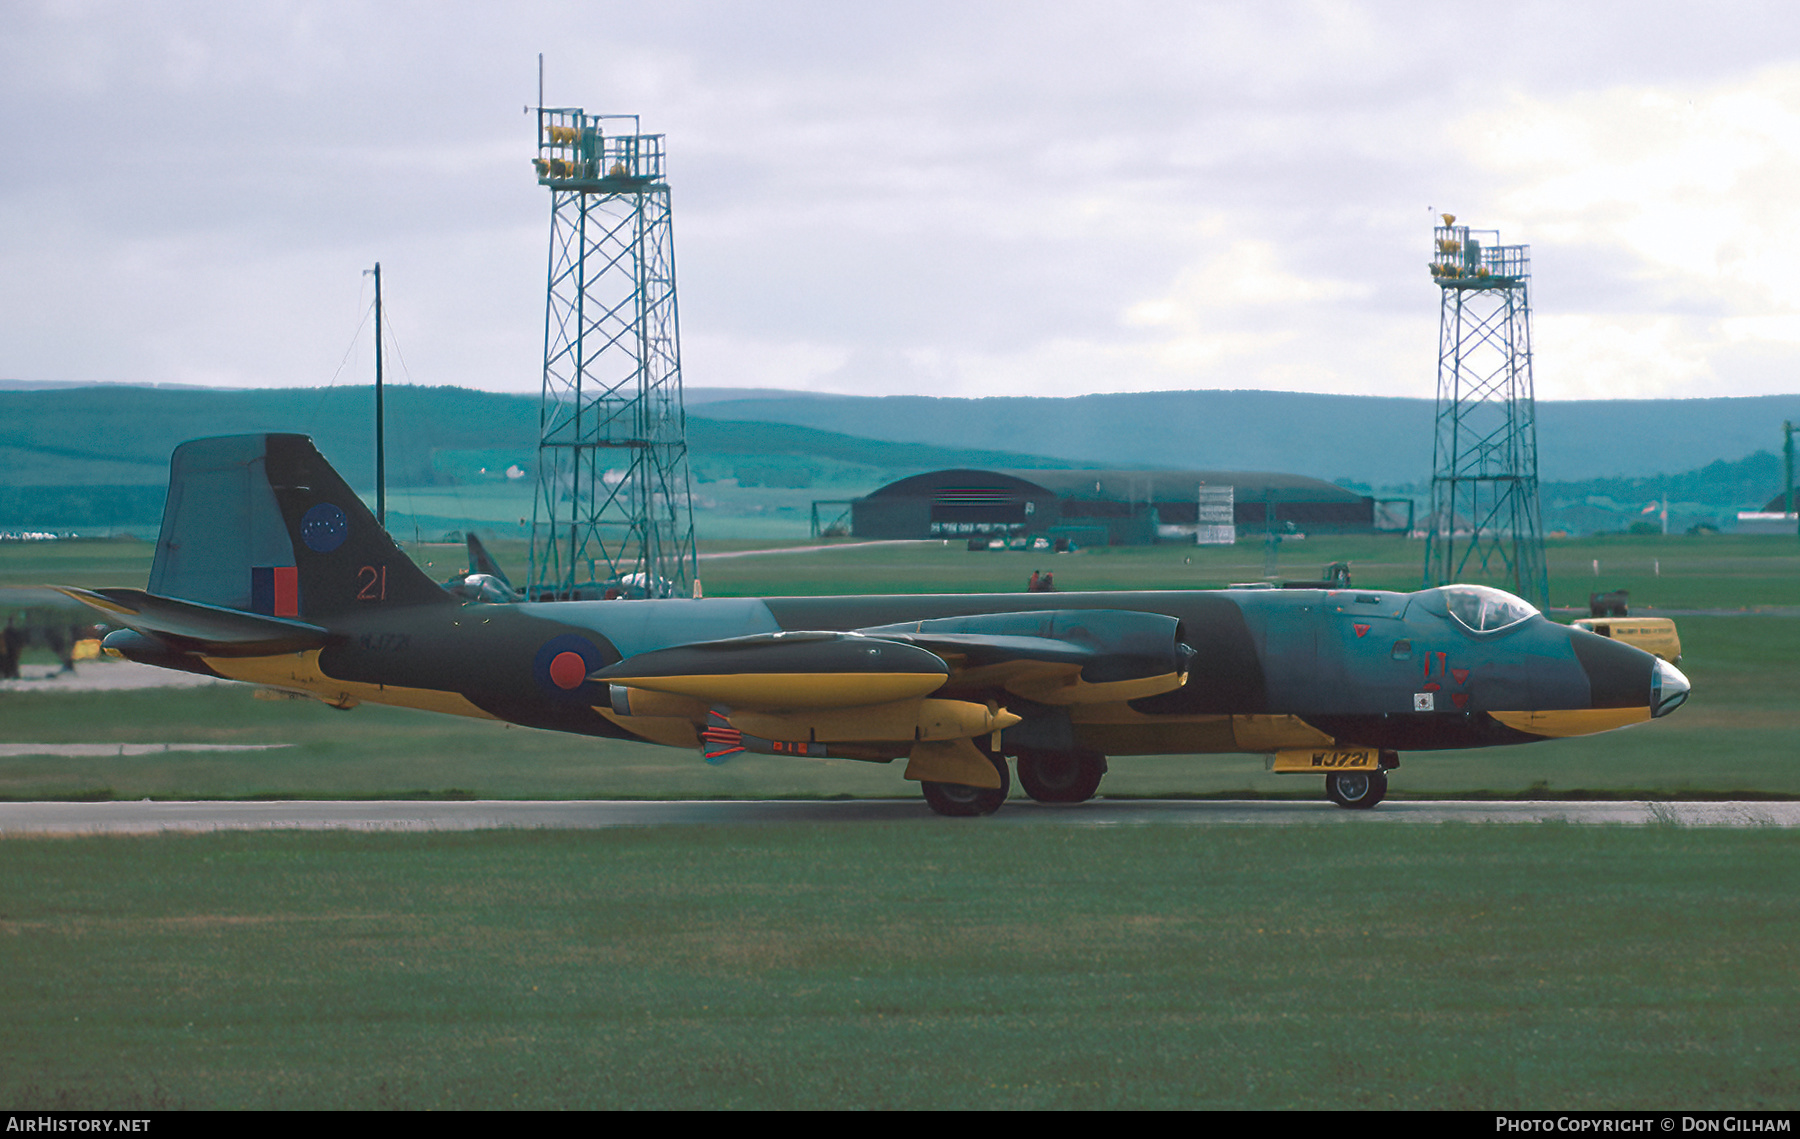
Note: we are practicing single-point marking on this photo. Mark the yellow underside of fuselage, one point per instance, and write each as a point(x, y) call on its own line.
point(299, 672)
point(1572, 721)
point(1119, 729)
point(1116, 729)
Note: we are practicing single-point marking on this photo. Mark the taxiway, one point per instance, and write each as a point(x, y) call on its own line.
point(151, 817)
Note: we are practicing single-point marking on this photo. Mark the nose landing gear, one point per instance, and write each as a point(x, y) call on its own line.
point(1356, 790)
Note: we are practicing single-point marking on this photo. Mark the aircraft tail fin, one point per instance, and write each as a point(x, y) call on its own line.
point(480, 561)
point(262, 524)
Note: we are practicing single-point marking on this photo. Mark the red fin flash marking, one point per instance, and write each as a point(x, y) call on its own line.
point(1362, 630)
point(287, 591)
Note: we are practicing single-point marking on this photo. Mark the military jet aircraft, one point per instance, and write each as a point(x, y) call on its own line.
point(484, 579)
point(269, 570)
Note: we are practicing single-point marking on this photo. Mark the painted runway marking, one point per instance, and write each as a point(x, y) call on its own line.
point(148, 817)
point(9, 751)
point(103, 676)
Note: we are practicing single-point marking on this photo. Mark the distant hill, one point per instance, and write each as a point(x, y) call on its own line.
point(1378, 441)
point(100, 455)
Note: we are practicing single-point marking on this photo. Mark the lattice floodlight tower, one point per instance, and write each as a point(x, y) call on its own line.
point(1485, 521)
point(613, 512)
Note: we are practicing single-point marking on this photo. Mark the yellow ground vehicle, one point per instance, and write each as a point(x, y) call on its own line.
point(1655, 635)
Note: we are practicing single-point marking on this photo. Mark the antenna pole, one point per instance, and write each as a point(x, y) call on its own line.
point(380, 433)
point(1787, 452)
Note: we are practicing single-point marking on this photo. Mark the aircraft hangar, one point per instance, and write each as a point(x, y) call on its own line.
point(1101, 508)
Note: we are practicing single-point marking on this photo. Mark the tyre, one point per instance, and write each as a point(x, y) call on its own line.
point(963, 802)
point(1357, 790)
point(1061, 776)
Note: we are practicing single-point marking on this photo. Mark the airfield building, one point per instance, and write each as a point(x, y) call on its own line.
point(1101, 508)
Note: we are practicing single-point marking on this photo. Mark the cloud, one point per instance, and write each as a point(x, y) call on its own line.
point(933, 197)
point(1685, 191)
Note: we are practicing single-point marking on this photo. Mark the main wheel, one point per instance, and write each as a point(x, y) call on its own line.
point(1357, 790)
point(1061, 776)
point(960, 801)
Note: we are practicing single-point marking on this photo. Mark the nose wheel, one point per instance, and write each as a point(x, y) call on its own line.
point(1356, 790)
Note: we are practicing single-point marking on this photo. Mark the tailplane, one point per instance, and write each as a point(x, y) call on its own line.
point(262, 524)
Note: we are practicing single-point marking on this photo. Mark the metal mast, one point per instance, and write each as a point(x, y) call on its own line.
point(380, 428)
point(613, 514)
point(1787, 454)
point(1486, 523)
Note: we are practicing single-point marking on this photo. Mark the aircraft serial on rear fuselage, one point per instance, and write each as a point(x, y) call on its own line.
point(270, 570)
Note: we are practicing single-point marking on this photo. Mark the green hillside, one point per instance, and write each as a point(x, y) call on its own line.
point(99, 456)
point(1378, 441)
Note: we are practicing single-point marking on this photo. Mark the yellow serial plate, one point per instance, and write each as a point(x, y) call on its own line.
point(1327, 759)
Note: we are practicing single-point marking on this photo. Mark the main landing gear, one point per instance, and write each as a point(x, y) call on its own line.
point(1061, 776)
point(1046, 776)
point(960, 801)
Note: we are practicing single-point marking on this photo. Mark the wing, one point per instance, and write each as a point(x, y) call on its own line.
point(924, 689)
point(1060, 656)
point(816, 694)
point(784, 670)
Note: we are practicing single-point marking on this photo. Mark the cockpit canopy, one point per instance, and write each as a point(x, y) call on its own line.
point(483, 587)
point(1484, 609)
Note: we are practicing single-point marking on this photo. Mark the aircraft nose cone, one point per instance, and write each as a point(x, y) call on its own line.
point(1668, 688)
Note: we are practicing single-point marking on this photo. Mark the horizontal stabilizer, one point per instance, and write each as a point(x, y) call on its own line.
point(193, 627)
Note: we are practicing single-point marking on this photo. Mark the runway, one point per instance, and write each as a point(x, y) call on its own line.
point(149, 817)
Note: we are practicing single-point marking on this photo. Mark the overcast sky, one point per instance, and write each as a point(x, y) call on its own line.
point(956, 198)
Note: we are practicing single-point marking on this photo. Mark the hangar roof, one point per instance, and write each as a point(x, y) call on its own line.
point(1131, 486)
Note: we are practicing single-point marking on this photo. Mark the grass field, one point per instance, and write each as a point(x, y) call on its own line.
point(1678, 572)
point(929, 966)
point(942, 964)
